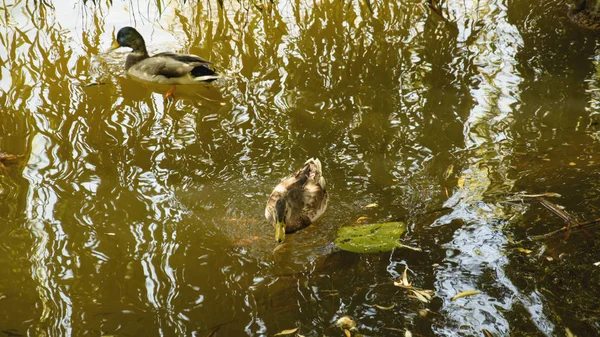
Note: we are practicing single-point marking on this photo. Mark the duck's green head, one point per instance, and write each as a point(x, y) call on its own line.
point(279, 214)
point(129, 37)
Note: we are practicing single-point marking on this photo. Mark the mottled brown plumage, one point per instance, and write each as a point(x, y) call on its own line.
point(298, 200)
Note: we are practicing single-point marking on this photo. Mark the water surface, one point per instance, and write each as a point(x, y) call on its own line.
point(132, 215)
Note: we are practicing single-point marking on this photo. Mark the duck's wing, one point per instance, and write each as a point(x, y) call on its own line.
point(314, 171)
point(171, 65)
point(314, 200)
point(290, 187)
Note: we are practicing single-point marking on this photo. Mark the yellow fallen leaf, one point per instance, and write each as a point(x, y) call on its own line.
point(461, 182)
point(569, 333)
point(524, 251)
point(449, 171)
point(420, 297)
point(404, 282)
point(401, 285)
point(347, 333)
point(373, 205)
point(286, 332)
point(408, 334)
point(405, 278)
point(426, 293)
point(384, 308)
point(572, 164)
point(362, 219)
point(345, 322)
point(466, 293)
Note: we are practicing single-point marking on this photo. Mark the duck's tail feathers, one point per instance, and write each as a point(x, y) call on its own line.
point(315, 165)
point(202, 73)
point(314, 170)
point(207, 78)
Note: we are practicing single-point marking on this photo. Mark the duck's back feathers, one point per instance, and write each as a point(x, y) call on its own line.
point(170, 68)
point(185, 58)
point(305, 193)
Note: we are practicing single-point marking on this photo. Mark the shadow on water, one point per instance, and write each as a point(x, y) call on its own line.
point(132, 215)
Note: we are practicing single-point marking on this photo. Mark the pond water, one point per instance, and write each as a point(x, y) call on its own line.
point(133, 215)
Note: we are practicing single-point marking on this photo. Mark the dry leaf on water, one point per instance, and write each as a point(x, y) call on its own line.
point(461, 182)
point(345, 322)
point(524, 251)
point(487, 333)
point(421, 296)
point(381, 307)
point(362, 219)
point(404, 282)
point(449, 171)
point(286, 332)
point(466, 293)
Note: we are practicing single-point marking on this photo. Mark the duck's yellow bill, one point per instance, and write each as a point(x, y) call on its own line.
point(114, 45)
point(279, 232)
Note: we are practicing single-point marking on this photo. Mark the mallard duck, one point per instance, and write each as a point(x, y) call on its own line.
point(163, 68)
point(298, 200)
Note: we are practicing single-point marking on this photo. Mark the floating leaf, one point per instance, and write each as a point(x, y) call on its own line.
point(402, 285)
point(373, 205)
point(422, 295)
point(384, 308)
point(487, 333)
point(572, 164)
point(419, 296)
point(524, 251)
point(405, 278)
point(425, 293)
point(461, 182)
point(347, 333)
point(449, 171)
point(375, 238)
point(286, 332)
point(362, 219)
point(547, 194)
point(345, 322)
point(466, 293)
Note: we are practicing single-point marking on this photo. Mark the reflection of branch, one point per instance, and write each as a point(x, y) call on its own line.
point(577, 226)
point(571, 220)
point(435, 7)
point(568, 218)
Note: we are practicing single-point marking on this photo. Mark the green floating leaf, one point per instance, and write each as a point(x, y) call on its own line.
point(375, 238)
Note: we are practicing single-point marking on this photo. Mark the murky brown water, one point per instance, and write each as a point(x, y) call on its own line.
point(133, 216)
